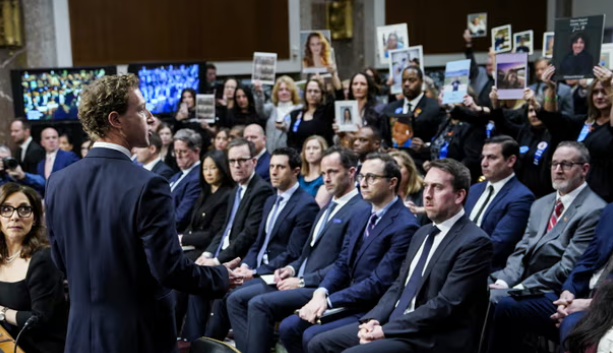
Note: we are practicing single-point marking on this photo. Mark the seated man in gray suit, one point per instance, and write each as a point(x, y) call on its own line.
point(559, 229)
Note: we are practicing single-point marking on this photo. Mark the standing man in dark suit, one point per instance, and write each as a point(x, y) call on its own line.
point(29, 153)
point(150, 157)
point(112, 232)
point(55, 158)
point(513, 319)
point(185, 185)
point(254, 309)
point(240, 229)
point(255, 133)
point(501, 204)
point(286, 221)
point(433, 306)
point(369, 262)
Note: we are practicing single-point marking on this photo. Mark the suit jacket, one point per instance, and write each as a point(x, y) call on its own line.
point(506, 217)
point(246, 221)
point(322, 254)
point(595, 257)
point(446, 316)
point(288, 234)
point(362, 274)
point(34, 154)
point(184, 197)
point(62, 160)
point(544, 259)
point(261, 168)
point(121, 254)
point(162, 169)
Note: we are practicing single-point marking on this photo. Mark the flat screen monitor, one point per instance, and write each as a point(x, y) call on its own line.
point(162, 83)
point(54, 93)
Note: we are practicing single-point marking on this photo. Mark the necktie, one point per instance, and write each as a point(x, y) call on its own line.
point(371, 224)
point(409, 108)
point(226, 233)
point(329, 211)
point(557, 211)
point(410, 290)
point(270, 226)
point(490, 192)
point(48, 166)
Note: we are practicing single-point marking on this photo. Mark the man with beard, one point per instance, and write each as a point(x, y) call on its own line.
point(559, 229)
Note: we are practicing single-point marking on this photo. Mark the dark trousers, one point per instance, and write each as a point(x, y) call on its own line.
point(514, 318)
point(196, 317)
point(345, 339)
point(296, 333)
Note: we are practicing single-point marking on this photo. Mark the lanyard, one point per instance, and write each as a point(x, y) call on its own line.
point(297, 123)
point(587, 128)
point(542, 146)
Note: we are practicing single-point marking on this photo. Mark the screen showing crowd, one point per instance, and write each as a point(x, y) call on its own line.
point(162, 85)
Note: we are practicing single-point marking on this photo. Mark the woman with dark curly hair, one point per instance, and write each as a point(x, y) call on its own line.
point(30, 284)
point(579, 61)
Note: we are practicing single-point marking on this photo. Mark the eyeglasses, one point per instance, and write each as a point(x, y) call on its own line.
point(566, 166)
point(370, 178)
point(22, 211)
point(240, 161)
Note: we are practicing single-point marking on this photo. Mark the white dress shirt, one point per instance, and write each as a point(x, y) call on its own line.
point(112, 146)
point(340, 202)
point(414, 102)
point(497, 187)
point(50, 160)
point(185, 172)
point(444, 227)
point(24, 147)
point(243, 190)
point(149, 166)
point(286, 195)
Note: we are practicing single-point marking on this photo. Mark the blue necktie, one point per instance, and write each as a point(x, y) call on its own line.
point(372, 221)
point(271, 224)
point(410, 290)
point(320, 230)
point(237, 201)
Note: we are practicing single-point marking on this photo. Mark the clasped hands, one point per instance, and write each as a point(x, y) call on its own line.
point(567, 304)
point(315, 308)
point(370, 331)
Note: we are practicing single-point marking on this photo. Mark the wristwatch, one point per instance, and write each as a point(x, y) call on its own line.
point(3, 313)
point(301, 282)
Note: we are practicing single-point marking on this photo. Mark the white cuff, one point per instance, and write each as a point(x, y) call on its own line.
point(502, 283)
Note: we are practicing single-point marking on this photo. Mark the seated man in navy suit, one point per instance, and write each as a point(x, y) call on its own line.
point(369, 262)
point(255, 134)
point(254, 308)
point(185, 185)
point(500, 205)
point(55, 158)
point(286, 221)
point(434, 304)
point(150, 158)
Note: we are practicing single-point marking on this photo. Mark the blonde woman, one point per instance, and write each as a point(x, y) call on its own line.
point(316, 51)
point(310, 178)
point(284, 100)
point(411, 184)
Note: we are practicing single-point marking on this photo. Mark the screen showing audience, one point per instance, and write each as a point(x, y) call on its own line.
point(162, 85)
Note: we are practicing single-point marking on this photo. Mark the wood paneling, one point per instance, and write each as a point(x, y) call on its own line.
point(124, 31)
point(438, 25)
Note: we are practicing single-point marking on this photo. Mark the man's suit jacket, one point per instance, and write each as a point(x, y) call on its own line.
point(160, 168)
point(323, 253)
point(262, 167)
point(595, 257)
point(112, 232)
point(506, 217)
point(427, 116)
point(288, 234)
point(361, 275)
point(34, 154)
point(184, 197)
point(246, 221)
point(446, 316)
point(544, 259)
point(62, 160)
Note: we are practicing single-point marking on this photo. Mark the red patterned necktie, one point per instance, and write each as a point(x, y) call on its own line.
point(557, 211)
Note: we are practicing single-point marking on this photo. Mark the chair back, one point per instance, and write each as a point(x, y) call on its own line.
point(210, 345)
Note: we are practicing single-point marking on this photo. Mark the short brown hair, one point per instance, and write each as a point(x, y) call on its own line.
point(37, 238)
point(105, 95)
point(459, 172)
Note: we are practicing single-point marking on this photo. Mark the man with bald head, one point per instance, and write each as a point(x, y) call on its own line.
point(255, 134)
point(55, 158)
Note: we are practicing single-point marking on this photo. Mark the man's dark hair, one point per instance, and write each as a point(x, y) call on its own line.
point(25, 123)
point(509, 146)
point(541, 59)
point(376, 134)
point(391, 168)
point(210, 66)
point(417, 69)
point(155, 141)
point(459, 172)
point(237, 142)
point(293, 156)
point(348, 158)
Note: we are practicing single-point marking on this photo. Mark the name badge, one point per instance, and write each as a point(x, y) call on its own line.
point(539, 152)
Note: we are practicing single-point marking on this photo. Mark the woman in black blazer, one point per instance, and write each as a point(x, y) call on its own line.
point(210, 209)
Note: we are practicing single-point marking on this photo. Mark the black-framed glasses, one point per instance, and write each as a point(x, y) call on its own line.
point(566, 165)
point(240, 161)
point(370, 178)
point(7, 211)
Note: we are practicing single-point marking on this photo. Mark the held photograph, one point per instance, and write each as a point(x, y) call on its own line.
point(205, 107)
point(501, 39)
point(264, 67)
point(477, 24)
point(456, 81)
point(390, 38)
point(315, 51)
point(511, 75)
point(548, 39)
point(346, 115)
point(579, 41)
point(523, 42)
point(400, 59)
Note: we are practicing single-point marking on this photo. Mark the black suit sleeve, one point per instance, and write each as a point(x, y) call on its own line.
point(202, 238)
point(156, 229)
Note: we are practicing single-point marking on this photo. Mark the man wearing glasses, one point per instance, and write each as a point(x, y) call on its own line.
point(559, 229)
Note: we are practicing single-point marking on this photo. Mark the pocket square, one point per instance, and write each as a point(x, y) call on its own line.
point(336, 220)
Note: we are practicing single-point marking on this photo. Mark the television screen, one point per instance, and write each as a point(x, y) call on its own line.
point(52, 94)
point(162, 84)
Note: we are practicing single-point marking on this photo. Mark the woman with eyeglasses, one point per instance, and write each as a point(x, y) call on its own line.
point(31, 287)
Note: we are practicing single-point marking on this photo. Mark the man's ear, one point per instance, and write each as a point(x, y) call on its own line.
point(114, 119)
